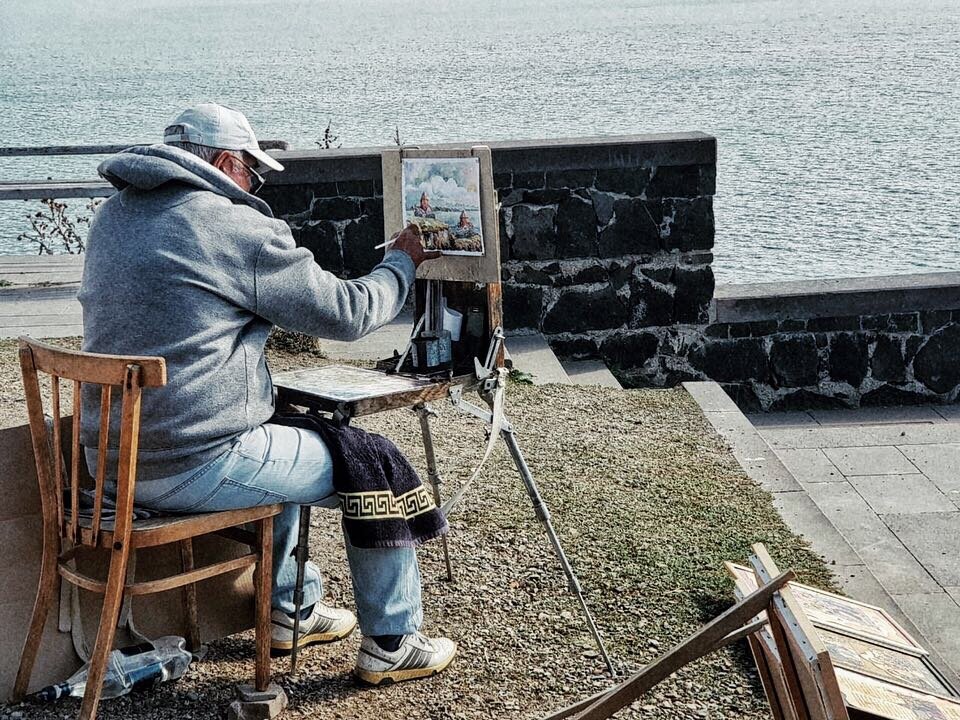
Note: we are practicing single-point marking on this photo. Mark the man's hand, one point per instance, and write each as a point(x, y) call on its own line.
point(408, 240)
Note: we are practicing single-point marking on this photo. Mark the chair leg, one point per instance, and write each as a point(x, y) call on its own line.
point(263, 584)
point(109, 616)
point(190, 597)
point(46, 591)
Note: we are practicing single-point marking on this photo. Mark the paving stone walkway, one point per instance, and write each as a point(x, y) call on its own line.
point(888, 479)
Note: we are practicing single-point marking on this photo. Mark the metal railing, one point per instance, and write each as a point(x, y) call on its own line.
point(66, 189)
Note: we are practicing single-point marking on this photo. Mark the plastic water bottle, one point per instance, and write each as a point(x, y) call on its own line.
point(137, 667)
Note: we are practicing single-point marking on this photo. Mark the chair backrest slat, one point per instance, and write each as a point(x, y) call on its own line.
point(102, 444)
point(57, 450)
point(131, 374)
point(75, 462)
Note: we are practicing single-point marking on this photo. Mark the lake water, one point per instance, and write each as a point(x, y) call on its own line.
point(838, 122)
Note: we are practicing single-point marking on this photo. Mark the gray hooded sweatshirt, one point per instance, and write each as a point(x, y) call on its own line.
point(183, 264)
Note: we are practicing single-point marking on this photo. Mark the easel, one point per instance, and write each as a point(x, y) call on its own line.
point(474, 280)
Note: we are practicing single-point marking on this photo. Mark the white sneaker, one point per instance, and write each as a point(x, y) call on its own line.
point(418, 656)
point(325, 624)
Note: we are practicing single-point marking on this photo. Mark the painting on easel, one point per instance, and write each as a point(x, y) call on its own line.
point(441, 196)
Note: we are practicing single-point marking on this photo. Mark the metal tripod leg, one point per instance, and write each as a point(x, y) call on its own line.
point(424, 412)
point(543, 514)
point(301, 552)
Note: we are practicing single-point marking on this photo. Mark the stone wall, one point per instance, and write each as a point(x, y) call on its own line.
point(834, 343)
point(602, 239)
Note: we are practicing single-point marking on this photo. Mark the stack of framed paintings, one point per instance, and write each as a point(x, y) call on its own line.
point(822, 656)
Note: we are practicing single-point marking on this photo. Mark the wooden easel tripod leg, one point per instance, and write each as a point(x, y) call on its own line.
point(423, 413)
point(543, 515)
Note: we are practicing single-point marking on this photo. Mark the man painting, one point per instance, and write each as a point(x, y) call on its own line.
point(184, 262)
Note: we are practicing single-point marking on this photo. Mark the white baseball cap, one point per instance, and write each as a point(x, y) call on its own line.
point(218, 126)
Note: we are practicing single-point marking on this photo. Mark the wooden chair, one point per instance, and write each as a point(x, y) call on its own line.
point(65, 531)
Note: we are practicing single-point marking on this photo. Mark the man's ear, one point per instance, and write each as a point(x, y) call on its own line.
point(221, 160)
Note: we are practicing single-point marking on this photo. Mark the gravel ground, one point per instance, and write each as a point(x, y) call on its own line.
point(648, 503)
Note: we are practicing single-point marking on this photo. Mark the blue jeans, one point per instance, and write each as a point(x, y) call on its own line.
point(280, 464)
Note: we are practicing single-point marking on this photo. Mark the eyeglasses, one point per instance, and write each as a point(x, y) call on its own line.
point(256, 179)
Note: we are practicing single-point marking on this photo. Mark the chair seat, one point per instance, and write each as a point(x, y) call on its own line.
point(171, 528)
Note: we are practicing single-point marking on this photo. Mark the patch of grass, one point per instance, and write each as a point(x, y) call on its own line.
point(519, 377)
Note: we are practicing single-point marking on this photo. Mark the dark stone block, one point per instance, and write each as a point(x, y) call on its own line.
point(620, 274)
point(690, 223)
point(834, 324)
point(529, 180)
point(571, 178)
point(512, 197)
point(522, 306)
point(888, 362)
point(807, 400)
point(630, 349)
point(633, 230)
point(534, 233)
point(794, 361)
point(626, 181)
point(675, 181)
point(731, 360)
point(933, 320)
point(285, 200)
point(887, 395)
point(545, 196)
point(575, 347)
point(673, 375)
point(372, 206)
point(874, 322)
point(693, 294)
point(326, 189)
point(579, 310)
point(358, 188)
point(652, 304)
point(848, 358)
point(576, 228)
point(589, 275)
point(359, 239)
point(762, 328)
point(336, 208)
point(708, 179)
point(740, 330)
point(658, 274)
point(904, 322)
point(936, 364)
point(792, 326)
point(502, 181)
point(529, 275)
point(323, 241)
point(603, 206)
point(823, 340)
point(505, 239)
point(744, 396)
point(717, 330)
point(912, 346)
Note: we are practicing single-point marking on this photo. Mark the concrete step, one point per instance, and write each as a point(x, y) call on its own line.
point(377, 345)
point(49, 312)
point(590, 372)
point(33, 270)
point(531, 354)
